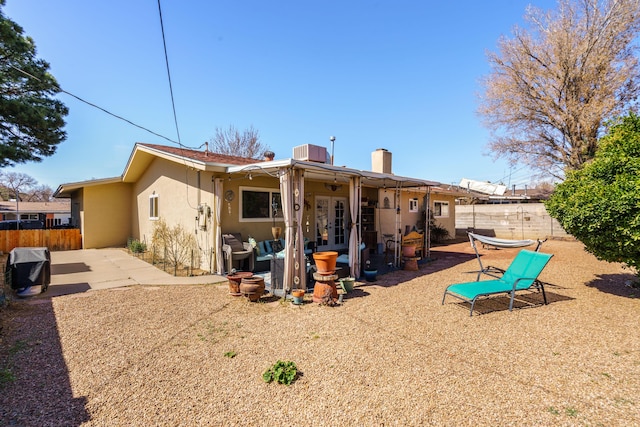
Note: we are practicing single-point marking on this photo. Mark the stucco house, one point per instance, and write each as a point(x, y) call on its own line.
point(308, 197)
point(51, 214)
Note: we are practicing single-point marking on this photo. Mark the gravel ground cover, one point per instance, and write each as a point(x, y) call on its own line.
point(391, 354)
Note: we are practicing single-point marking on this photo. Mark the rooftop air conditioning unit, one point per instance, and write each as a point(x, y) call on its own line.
point(311, 153)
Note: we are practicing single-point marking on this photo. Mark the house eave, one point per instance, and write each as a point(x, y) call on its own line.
point(65, 190)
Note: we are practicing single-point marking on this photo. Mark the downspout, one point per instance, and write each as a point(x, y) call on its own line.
point(198, 195)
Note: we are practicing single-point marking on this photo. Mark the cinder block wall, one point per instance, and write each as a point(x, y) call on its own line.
point(509, 221)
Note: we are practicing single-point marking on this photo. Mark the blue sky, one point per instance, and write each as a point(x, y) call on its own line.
point(401, 75)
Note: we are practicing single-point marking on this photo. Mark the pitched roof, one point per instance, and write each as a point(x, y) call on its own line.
point(204, 156)
point(39, 207)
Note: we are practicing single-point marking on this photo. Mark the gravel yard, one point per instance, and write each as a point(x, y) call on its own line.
point(390, 355)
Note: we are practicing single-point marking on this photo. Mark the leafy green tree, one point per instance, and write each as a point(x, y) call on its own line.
point(600, 203)
point(31, 120)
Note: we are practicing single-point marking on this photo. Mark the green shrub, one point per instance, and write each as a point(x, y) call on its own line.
point(437, 233)
point(137, 247)
point(598, 204)
point(282, 372)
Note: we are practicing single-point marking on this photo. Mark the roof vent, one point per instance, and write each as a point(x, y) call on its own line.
point(311, 153)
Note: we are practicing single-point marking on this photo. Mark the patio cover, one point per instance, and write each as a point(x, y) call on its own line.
point(315, 171)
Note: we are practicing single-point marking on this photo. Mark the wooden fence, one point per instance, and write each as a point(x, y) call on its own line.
point(55, 240)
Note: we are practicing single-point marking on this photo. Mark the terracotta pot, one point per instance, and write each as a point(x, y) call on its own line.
point(325, 291)
point(297, 296)
point(325, 261)
point(411, 264)
point(252, 287)
point(235, 280)
point(409, 251)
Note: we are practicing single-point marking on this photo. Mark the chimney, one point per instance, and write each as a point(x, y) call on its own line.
point(381, 161)
point(269, 156)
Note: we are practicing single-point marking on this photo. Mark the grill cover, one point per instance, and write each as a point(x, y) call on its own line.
point(28, 267)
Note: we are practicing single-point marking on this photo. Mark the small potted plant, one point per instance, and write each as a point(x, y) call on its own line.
point(298, 296)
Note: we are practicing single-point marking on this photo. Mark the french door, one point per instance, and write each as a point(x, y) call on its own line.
point(332, 214)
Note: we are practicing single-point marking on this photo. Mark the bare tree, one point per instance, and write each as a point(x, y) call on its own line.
point(24, 188)
point(39, 193)
point(17, 183)
point(552, 90)
point(235, 143)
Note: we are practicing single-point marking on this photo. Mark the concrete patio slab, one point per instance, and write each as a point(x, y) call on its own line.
point(91, 269)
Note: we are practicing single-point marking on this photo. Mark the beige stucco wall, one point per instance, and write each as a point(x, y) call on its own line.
point(181, 190)
point(230, 216)
point(261, 229)
point(388, 218)
point(448, 222)
point(105, 215)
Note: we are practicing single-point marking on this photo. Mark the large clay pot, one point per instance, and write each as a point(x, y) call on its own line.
point(325, 261)
point(409, 251)
point(234, 282)
point(411, 264)
point(252, 287)
point(324, 292)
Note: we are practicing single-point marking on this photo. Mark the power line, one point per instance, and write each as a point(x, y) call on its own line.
point(98, 107)
point(166, 59)
point(511, 174)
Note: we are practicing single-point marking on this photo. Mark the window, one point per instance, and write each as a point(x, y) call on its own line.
point(413, 205)
point(441, 209)
point(153, 206)
point(257, 204)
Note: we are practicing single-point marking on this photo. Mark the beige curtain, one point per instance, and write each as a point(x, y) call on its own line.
point(354, 241)
point(300, 264)
point(286, 190)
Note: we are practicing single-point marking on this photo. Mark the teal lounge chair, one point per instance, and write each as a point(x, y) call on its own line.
point(522, 275)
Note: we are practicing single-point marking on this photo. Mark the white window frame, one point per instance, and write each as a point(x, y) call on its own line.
point(27, 217)
point(444, 209)
point(271, 192)
point(413, 204)
point(153, 207)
